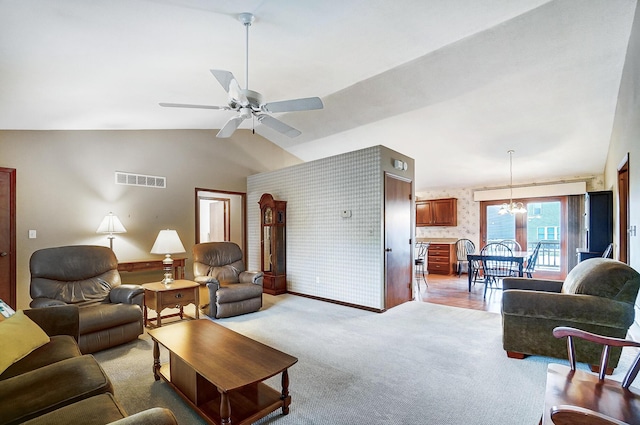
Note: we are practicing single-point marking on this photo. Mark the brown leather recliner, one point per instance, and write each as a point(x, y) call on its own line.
point(226, 288)
point(87, 276)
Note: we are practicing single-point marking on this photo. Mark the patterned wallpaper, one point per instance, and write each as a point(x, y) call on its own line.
point(469, 212)
point(329, 256)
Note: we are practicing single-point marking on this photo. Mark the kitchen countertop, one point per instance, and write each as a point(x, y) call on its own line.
point(437, 240)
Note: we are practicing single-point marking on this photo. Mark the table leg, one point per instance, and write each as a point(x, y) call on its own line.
point(285, 397)
point(158, 317)
point(146, 316)
point(156, 360)
point(225, 408)
point(181, 312)
point(469, 274)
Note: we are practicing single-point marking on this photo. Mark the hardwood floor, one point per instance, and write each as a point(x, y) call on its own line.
point(453, 291)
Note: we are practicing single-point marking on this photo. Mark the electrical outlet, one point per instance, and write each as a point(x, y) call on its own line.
point(32, 234)
point(317, 279)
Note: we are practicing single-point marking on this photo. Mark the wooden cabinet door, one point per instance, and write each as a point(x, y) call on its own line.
point(423, 213)
point(444, 212)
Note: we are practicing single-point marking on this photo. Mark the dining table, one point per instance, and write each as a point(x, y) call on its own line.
point(516, 256)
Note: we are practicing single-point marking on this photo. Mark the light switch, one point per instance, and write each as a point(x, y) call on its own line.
point(32, 234)
point(345, 213)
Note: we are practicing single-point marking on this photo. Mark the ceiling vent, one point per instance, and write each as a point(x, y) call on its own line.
point(130, 179)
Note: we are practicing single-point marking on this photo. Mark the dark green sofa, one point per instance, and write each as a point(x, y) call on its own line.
point(597, 296)
point(56, 384)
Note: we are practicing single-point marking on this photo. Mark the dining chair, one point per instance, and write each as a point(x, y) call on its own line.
point(463, 247)
point(531, 261)
point(512, 244)
point(419, 262)
point(495, 269)
point(578, 397)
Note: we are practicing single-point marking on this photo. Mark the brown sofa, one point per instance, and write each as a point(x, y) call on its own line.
point(597, 296)
point(226, 288)
point(56, 384)
point(87, 276)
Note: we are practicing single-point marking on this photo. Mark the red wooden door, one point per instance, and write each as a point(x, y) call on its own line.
point(8, 236)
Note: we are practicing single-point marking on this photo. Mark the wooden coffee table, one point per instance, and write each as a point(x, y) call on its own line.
point(220, 372)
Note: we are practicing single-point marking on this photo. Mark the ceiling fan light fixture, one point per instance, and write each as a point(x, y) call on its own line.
point(511, 207)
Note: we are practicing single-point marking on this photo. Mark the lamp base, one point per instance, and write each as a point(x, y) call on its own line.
point(168, 279)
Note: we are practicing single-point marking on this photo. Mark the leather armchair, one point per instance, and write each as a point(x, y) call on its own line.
point(226, 288)
point(597, 296)
point(87, 276)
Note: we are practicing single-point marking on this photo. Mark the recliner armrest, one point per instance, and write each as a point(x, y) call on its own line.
point(570, 308)
point(127, 294)
point(203, 280)
point(545, 285)
point(46, 302)
point(251, 277)
point(57, 320)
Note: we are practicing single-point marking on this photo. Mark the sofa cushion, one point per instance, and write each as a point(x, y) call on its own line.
point(60, 347)
point(603, 277)
point(238, 292)
point(100, 409)
point(20, 336)
point(104, 316)
point(51, 387)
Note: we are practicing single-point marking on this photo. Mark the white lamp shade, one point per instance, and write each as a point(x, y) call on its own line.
point(111, 224)
point(168, 242)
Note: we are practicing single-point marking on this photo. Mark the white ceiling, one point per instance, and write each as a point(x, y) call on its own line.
point(451, 83)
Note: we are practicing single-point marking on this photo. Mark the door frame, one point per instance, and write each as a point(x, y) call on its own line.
point(624, 252)
point(397, 256)
point(243, 216)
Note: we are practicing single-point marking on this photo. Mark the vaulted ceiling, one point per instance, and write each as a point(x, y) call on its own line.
point(451, 83)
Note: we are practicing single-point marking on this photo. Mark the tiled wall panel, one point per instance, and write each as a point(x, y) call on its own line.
point(328, 256)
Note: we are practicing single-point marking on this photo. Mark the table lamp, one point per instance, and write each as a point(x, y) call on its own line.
point(111, 224)
point(167, 243)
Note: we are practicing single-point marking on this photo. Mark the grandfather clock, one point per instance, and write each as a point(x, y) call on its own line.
point(273, 244)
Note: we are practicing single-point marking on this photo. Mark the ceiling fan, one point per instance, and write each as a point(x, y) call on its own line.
point(250, 103)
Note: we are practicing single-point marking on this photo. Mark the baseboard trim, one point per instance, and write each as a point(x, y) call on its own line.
point(361, 307)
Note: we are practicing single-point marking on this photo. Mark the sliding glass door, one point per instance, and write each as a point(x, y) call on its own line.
point(544, 222)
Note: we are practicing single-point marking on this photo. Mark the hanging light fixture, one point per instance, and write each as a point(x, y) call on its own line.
point(511, 207)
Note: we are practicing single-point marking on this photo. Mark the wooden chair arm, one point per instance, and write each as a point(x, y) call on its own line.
point(564, 331)
point(607, 343)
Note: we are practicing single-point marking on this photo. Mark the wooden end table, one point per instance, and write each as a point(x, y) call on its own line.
point(219, 372)
point(177, 294)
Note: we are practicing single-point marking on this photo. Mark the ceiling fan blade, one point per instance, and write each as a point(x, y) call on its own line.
point(306, 104)
point(183, 105)
point(224, 78)
point(278, 126)
point(230, 85)
point(229, 127)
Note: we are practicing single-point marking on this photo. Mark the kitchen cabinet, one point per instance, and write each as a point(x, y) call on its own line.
point(441, 258)
point(437, 212)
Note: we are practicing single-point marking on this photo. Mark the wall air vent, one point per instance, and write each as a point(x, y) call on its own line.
point(131, 179)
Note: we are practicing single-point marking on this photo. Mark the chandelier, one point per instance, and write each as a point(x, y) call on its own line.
point(511, 207)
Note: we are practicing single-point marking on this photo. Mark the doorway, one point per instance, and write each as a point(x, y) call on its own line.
point(545, 221)
point(220, 216)
point(397, 230)
point(8, 236)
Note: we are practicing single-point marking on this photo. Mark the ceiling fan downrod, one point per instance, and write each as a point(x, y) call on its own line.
point(247, 19)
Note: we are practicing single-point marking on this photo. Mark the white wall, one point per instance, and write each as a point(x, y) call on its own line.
point(625, 138)
point(328, 256)
point(65, 186)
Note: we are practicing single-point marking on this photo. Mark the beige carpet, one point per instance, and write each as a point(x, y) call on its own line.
point(417, 363)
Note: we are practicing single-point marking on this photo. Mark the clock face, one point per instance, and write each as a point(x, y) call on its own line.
point(268, 216)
